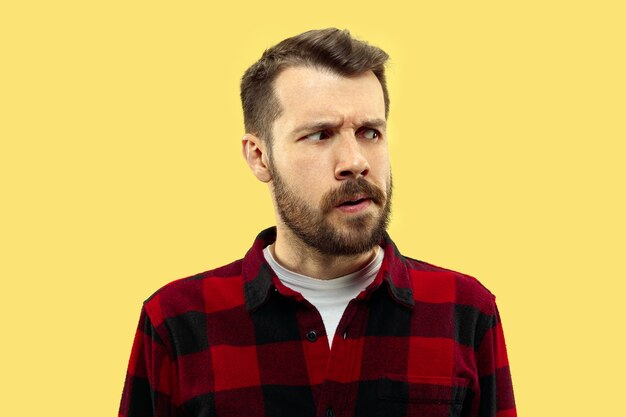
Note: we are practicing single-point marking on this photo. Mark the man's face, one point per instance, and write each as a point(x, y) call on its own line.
point(330, 168)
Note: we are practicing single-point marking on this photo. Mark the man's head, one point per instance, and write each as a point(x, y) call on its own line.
point(321, 142)
point(329, 49)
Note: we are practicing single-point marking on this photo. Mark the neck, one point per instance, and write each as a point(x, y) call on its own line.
point(295, 255)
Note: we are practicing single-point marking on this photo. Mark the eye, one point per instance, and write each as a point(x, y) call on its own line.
point(317, 136)
point(368, 133)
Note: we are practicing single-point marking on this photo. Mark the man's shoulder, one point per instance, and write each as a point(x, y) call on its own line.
point(432, 283)
point(213, 290)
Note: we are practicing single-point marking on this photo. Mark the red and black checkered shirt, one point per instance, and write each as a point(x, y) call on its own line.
point(419, 341)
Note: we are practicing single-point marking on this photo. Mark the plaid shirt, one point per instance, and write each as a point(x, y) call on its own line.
point(419, 341)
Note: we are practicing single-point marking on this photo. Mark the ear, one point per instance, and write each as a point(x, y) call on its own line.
point(254, 152)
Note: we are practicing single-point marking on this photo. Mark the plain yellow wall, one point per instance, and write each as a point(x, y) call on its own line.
point(120, 171)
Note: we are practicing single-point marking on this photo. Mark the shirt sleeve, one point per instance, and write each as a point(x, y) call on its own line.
point(147, 389)
point(496, 397)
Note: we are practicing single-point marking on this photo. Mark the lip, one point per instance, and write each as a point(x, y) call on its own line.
point(356, 208)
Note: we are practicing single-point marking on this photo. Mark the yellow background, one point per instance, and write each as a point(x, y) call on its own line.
point(120, 170)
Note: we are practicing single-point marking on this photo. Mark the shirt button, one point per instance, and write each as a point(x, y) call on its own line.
point(311, 336)
point(330, 412)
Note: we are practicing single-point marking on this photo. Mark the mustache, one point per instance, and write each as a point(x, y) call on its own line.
point(350, 189)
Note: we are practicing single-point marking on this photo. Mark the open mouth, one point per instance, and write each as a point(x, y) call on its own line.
point(353, 202)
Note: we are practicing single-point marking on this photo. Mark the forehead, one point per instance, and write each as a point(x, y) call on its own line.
point(310, 94)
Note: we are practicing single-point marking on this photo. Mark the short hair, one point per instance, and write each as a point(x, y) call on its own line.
point(330, 49)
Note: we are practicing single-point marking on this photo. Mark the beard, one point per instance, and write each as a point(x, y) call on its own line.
point(353, 235)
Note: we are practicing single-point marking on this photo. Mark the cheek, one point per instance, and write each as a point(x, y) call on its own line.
point(311, 187)
point(309, 168)
point(305, 177)
point(381, 175)
point(380, 167)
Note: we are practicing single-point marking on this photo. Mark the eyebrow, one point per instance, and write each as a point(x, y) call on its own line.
point(326, 125)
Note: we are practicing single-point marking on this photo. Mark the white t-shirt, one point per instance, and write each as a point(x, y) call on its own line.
point(329, 297)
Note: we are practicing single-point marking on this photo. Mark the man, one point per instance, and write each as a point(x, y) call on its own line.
point(323, 316)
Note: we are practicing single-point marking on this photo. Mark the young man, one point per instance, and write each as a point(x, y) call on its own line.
point(323, 316)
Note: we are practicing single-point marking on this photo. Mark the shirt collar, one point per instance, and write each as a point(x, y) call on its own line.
point(258, 277)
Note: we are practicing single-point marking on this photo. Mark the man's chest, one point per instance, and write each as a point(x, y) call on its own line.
point(386, 359)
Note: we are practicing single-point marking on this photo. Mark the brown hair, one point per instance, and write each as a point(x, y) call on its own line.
point(331, 49)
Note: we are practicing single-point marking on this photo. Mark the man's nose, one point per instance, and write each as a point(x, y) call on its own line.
point(351, 162)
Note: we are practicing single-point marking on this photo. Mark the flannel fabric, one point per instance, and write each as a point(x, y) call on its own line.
point(419, 341)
